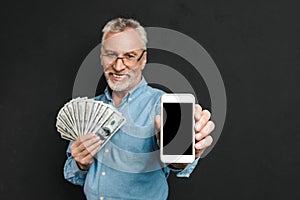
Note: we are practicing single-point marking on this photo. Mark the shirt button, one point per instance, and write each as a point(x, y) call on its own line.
point(130, 99)
point(106, 150)
point(101, 198)
point(103, 173)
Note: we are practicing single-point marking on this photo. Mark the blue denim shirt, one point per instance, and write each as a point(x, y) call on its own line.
point(128, 166)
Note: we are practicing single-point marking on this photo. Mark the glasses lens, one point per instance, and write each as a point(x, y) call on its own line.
point(128, 59)
point(129, 62)
point(108, 58)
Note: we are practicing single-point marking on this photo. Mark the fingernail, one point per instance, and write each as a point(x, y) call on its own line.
point(98, 137)
point(199, 135)
point(100, 141)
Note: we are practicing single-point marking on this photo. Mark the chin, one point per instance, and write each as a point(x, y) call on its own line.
point(119, 87)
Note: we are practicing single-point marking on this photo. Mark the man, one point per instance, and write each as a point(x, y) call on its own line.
point(128, 166)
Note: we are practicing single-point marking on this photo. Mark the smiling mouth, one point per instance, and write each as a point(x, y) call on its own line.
point(118, 76)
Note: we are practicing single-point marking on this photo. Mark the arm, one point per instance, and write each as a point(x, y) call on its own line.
point(72, 173)
point(79, 158)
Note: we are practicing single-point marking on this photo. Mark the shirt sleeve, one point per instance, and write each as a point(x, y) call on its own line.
point(72, 173)
point(187, 171)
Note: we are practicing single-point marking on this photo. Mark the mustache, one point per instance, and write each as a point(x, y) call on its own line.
point(116, 73)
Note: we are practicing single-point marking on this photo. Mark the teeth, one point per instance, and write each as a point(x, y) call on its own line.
point(118, 76)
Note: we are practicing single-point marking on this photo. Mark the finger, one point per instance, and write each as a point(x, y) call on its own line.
point(205, 116)
point(205, 131)
point(82, 139)
point(158, 138)
point(198, 110)
point(157, 123)
point(91, 141)
point(91, 149)
point(96, 149)
point(81, 144)
point(79, 152)
point(204, 143)
point(86, 137)
point(198, 153)
point(87, 160)
point(88, 145)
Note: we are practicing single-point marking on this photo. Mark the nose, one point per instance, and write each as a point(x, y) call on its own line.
point(119, 65)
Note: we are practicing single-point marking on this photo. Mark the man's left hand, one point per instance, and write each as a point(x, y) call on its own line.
point(203, 127)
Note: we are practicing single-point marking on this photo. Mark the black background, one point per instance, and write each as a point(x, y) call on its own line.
point(255, 45)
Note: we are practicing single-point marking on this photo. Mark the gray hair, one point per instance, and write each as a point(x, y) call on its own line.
point(120, 24)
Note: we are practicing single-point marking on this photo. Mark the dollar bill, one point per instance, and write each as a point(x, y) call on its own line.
point(80, 116)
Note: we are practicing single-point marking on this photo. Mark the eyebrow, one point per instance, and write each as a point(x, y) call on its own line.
point(108, 50)
point(129, 52)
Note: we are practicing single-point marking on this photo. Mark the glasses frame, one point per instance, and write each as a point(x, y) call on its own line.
point(118, 57)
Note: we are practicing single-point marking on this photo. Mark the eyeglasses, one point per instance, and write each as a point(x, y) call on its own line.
point(128, 59)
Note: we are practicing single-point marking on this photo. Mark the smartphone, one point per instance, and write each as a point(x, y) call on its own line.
point(177, 128)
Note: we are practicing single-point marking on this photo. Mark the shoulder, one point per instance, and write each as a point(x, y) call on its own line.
point(99, 97)
point(153, 91)
point(152, 94)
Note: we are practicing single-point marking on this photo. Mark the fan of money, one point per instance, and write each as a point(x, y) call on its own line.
point(82, 115)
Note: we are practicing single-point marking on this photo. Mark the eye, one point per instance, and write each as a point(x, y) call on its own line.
point(129, 56)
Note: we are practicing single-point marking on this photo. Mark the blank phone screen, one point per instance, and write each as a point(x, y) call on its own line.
point(178, 128)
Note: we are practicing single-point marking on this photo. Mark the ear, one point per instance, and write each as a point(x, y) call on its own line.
point(101, 62)
point(100, 56)
point(144, 60)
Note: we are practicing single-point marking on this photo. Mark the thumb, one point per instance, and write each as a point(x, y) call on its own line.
point(157, 128)
point(157, 123)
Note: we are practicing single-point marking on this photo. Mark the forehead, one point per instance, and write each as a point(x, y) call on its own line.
point(123, 41)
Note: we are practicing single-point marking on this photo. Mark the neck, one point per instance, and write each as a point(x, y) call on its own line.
point(117, 96)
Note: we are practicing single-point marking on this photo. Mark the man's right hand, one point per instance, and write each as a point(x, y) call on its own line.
point(84, 148)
